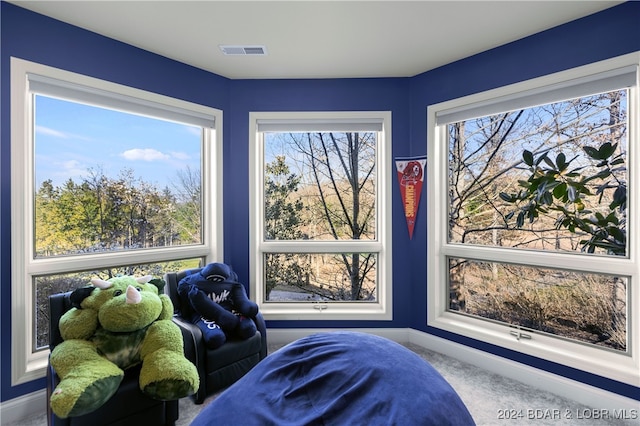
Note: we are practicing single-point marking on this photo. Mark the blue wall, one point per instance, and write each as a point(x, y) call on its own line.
point(40, 39)
point(319, 95)
point(36, 38)
point(610, 33)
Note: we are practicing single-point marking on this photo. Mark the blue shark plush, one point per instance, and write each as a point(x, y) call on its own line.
point(218, 304)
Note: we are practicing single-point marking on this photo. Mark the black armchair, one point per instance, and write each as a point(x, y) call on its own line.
point(221, 367)
point(127, 407)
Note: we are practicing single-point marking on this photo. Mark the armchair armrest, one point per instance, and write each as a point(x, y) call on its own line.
point(262, 328)
point(194, 349)
point(219, 367)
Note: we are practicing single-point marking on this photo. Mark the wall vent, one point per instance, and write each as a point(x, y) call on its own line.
point(244, 50)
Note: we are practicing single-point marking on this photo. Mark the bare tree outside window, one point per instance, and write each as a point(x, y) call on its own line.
point(549, 178)
point(321, 187)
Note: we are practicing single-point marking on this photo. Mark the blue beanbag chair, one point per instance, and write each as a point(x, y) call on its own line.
point(339, 378)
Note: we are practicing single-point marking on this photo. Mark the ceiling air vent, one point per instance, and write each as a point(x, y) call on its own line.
point(244, 50)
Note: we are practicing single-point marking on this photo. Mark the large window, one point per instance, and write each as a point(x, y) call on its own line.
point(320, 215)
point(106, 180)
point(531, 241)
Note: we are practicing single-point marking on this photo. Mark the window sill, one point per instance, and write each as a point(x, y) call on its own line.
point(325, 311)
point(603, 362)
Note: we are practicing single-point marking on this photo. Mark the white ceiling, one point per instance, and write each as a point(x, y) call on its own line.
point(317, 39)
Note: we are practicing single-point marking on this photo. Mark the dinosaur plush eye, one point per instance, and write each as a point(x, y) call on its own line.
point(139, 288)
point(117, 293)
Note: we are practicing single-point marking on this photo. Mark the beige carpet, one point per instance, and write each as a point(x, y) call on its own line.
point(487, 396)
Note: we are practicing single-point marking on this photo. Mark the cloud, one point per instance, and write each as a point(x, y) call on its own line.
point(48, 131)
point(180, 155)
point(194, 130)
point(51, 132)
point(72, 168)
point(144, 154)
point(71, 165)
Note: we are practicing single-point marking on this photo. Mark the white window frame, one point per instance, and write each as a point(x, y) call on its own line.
point(27, 364)
point(571, 83)
point(381, 309)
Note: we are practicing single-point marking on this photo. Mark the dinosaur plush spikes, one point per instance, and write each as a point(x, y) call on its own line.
point(106, 284)
point(115, 325)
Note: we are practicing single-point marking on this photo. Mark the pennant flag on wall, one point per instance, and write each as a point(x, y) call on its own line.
point(410, 178)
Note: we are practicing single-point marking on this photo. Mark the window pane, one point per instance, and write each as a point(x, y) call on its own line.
point(551, 177)
point(47, 285)
point(320, 186)
point(320, 277)
point(587, 307)
point(109, 181)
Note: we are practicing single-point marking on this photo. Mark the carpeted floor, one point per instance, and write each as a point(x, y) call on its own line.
point(490, 398)
point(487, 396)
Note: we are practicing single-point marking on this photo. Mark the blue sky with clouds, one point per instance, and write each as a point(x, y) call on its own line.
point(73, 138)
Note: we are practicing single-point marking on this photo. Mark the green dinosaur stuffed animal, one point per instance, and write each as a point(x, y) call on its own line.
point(114, 325)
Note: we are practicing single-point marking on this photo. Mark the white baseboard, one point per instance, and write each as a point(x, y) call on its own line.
point(592, 397)
point(22, 407)
point(589, 396)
